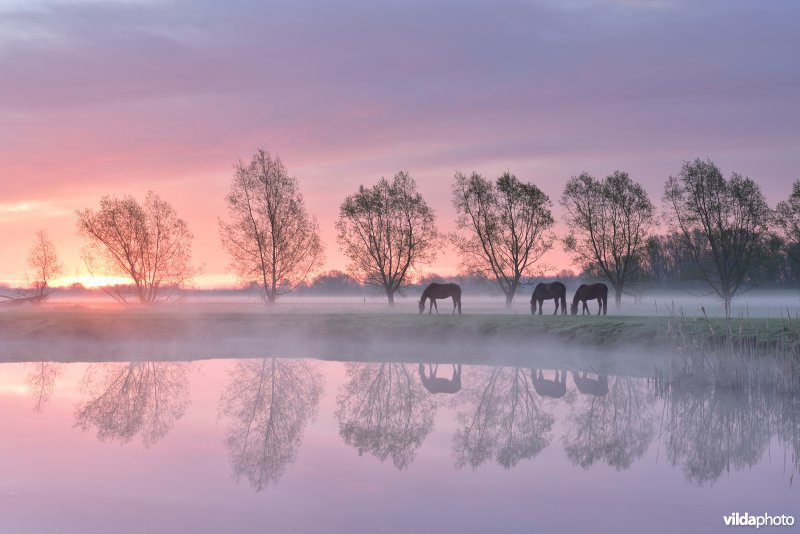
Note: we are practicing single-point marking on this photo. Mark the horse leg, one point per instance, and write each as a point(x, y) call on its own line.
point(586, 308)
point(541, 305)
point(436, 306)
point(564, 305)
point(454, 305)
point(459, 305)
point(556, 301)
point(430, 308)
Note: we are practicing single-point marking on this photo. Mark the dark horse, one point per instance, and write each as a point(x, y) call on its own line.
point(434, 384)
point(554, 290)
point(441, 291)
point(590, 292)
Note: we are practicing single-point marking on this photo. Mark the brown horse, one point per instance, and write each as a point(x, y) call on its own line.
point(591, 386)
point(555, 388)
point(434, 384)
point(441, 291)
point(591, 292)
point(554, 290)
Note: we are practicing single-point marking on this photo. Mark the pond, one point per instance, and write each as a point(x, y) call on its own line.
point(303, 445)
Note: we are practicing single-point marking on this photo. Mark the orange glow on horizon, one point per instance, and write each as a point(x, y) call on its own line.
point(91, 282)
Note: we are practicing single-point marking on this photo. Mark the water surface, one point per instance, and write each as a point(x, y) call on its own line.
point(289, 445)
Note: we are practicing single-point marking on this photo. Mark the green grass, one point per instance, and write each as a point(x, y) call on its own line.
point(115, 324)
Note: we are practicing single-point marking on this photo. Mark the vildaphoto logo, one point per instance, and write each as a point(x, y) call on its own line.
point(764, 520)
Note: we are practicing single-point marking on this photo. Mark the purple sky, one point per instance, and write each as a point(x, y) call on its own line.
point(121, 97)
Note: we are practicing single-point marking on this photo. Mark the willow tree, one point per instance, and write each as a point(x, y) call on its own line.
point(504, 227)
point(724, 224)
point(788, 221)
point(146, 242)
point(609, 221)
point(43, 260)
point(386, 231)
point(270, 236)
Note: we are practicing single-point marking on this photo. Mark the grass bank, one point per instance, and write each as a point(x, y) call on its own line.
point(176, 332)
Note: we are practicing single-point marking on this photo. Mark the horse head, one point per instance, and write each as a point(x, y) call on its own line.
point(422, 306)
point(574, 308)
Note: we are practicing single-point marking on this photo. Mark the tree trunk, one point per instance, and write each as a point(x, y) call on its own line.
point(509, 297)
point(390, 296)
point(618, 296)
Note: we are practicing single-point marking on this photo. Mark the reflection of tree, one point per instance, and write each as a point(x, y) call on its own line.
point(41, 381)
point(711, 429)
point(383, 411)
point(616, 427)
point(501, 417)
point(130, 398)
point(270, 402)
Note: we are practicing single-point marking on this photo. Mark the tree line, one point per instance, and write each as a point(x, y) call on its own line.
point(720, 232)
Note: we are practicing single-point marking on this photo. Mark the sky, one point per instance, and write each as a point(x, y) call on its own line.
point(121, 97)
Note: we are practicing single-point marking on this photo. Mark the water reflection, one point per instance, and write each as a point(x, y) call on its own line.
point(591, 386)
point(711, 430)
point(612, 422)
point(546, 387)
point(500, 418)
point(125, 399)
point(41, 381)
point(435, 384)
point(383, 411)
point(499, 415)
point(269, 402)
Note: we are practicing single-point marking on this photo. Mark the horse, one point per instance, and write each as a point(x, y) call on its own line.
point(434, 384)
point(554, 290)
point(591, 292)
point(555, 388)
point(441, 291)
point(591, 386)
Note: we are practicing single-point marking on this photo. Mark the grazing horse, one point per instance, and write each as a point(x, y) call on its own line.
point(554, 290)
point(434, 384)
point(441, 291)
point(591, 386)
point(545, 387)
point(591, 292)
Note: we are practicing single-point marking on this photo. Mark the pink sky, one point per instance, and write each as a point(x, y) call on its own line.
point(121, 97)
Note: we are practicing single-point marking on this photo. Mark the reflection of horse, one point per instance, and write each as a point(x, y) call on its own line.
point(591, 292)
point(441, 291)
point(554, 290)
point(545, 387)
point(435, 384)
point(591, 386)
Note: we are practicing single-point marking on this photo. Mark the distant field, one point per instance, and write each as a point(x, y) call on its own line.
point(185, 332)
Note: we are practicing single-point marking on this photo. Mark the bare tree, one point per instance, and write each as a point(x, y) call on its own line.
point(41, 382)
point(271, 238)
point(43, 260)
point(609, 221)
point(269, 402)
point(125, 399)
point(146, 242)
point(788, 220)
point(616, 427)
point(501, 418)
point(384, 411)
point(724, 224)
point(386, 231)
point(507, 227)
